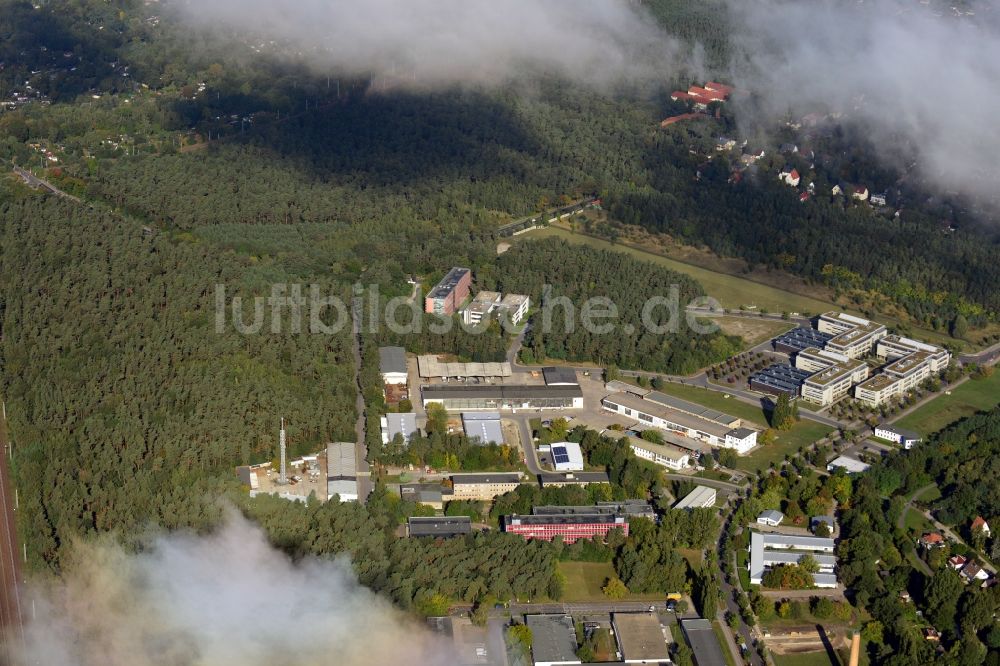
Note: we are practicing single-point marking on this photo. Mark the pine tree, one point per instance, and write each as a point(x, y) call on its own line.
point(784, 413)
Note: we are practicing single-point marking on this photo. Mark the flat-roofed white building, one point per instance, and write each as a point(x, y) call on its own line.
point(671, 457)
point(567, 456)
point(480, 307)
point(701, 497)
point(396, 423)
point(849, 465)
point(499, 397)
point(514, 307)
point(834, 374)
point(877, 390)
point(510, 308)
point(712, 427)
point(910, 363)
point(640, 638)
point(905, 438)
point(894, 347)
point(815, 359)
point(483, 427)
point(553, 640)
point(853, 336)
point(771, 549)
point(910, 370)
point(833, 383)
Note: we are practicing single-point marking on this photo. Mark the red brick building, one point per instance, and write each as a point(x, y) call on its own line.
point(569, 527)
point(449, 293)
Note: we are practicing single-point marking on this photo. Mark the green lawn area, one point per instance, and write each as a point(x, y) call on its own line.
point(584, 581)
point(805, 659)
point(916, 522)
point(972, 396)
point(729, 290)
point(802, 433)
point(741, 568)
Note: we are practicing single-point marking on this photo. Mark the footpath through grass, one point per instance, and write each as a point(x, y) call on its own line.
point(972, 396)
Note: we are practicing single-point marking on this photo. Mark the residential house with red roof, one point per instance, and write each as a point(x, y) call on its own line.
point(931, 540)
point(790, 176)
point(980, 524)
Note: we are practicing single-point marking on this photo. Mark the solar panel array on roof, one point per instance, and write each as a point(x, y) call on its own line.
point(798, 339)
point(780, 378)
point(567, 456)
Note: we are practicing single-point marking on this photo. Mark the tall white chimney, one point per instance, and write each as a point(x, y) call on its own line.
point(282, 475)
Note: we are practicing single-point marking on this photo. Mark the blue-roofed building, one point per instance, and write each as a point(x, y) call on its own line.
point(798, 339)
point(779, 379)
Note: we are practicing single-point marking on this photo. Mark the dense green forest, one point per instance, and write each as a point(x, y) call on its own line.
point(124, 402)
point(425, 575)
point(576, 274)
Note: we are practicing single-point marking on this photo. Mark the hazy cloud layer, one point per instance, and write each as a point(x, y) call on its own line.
point(911, 76)
point(925, 82)
point(455, 41)
point(220, 600)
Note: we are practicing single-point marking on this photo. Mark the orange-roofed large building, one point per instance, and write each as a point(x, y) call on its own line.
point(702, 96)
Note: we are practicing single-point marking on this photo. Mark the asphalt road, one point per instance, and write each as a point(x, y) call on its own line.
point(803, 322)
point(527, 443)
point(986, 356)
point(571, 608)
point(33, 181)
point(711, 483)
point(729, 594)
